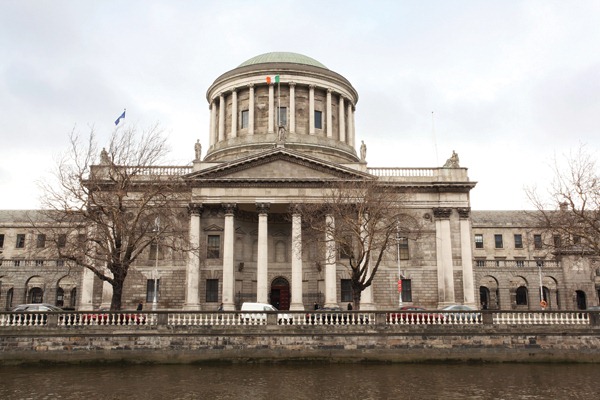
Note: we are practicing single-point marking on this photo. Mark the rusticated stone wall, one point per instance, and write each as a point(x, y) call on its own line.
point(319, 343)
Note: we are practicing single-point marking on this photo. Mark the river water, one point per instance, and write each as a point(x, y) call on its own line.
point(302, 381)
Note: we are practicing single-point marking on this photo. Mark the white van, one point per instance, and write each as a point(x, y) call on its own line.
point(254, 317)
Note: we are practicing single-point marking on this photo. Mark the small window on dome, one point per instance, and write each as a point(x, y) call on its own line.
point(318, 120)
point(244, 119)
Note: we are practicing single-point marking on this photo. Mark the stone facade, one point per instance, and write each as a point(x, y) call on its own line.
point(259, 163)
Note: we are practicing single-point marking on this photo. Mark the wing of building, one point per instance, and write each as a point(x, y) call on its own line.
point(281, 131)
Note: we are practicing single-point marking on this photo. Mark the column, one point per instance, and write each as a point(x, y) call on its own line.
point(329, 115)
point(342, 120)
point(292, 126)
point(271, 109)
point(466, 254)
point(221, 117)
point(228, 271)
point(213, 120)
point(330, 264)
point(107, 291)
point(234, 113)
point(311, 109)
point(350, 124)
point(445, 269)
point(353, 132)
point(296, 301)
point(192, 272)
point(262, 260)
point(251, 109)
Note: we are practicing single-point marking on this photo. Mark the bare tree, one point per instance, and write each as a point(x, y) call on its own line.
point(363, 220)
point(570, 211)
point(114, 204)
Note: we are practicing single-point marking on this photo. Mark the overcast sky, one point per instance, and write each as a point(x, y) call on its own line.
point(508, 85)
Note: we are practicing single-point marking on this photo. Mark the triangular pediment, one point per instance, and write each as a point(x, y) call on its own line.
point(278, 165)
point(213, 228)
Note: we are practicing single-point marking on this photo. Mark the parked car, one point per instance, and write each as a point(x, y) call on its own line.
point(594, 308)
point(252, 315)
point(461, 316)
point(414, 315)
point(25, 310)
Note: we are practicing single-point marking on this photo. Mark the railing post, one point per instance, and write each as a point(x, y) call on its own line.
point(594, 318)
point(487, 317)
point(380, 318)
point(272, 318)
point(162, 319)
point(52, 319)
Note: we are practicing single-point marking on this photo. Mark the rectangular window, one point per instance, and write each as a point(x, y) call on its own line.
point(154, 250)
point(62, 240)
point(1, 240)
point(498, 241)
point(40, 241)
point(244, 120)
point(212, 290)
point(518, 241)
point(346, 286)
point(213, 246)
point(406, 290)
point(557, 241)
point(403, 248)
point(152, 286)
point(537, 241)
point(478, 241)
point(318, 120)
point(282, 116)
point(576, 239)
point(20, 241)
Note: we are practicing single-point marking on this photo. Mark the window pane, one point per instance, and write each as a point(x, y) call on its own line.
point(150, 288)
point(498, 241)
point(406, 290)
point(1, 241)
point(478, 241)
point(403, 248)
point(213, 248)
point(20, 241)
point(282, 116)
point(318, 120)
point(346, 286)
point(537, 241)
point(212, 290)
point(244, 119)
point(62, 240)
point(518, 241)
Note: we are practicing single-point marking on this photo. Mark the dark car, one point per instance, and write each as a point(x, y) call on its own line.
point(414, 315)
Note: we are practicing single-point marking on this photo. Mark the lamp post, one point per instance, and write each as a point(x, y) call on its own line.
point(542, 302)
point(399, 270)
point(155, 298)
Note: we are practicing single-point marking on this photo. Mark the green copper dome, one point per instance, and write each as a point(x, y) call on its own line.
point(282, 57)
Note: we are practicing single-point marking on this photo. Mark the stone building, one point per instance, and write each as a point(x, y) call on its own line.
point(281, 125)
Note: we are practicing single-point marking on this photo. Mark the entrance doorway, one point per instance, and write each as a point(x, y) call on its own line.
point(280, 293)
point(581, 301)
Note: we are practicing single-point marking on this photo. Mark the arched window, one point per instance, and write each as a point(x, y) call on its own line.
point(36, 295)
point(484, 297)
point(521, 296)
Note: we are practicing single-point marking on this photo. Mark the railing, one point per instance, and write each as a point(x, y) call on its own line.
point(516, 264)
point(139, 320)
point(402, 171)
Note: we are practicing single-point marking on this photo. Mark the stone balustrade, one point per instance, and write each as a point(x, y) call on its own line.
point(294, 319)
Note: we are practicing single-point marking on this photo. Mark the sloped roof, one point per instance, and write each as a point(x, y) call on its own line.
point(282, 57)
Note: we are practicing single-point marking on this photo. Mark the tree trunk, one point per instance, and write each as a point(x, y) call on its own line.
point(356, 293)
point(115, 303)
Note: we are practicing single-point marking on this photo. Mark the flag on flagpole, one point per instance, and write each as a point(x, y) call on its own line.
point(276, 78)
point(122, 116)
point(268, 80)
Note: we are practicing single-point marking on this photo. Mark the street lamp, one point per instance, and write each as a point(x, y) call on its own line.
point(399, 270)
point(542, 302)
point(155, 298)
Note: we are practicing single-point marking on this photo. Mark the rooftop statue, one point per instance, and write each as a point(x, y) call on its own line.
point(453, 161)
point(198, 150)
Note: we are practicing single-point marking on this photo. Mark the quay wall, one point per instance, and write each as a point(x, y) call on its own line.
point(152, 344)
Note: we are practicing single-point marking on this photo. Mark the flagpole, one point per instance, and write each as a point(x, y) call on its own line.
point(278, 103)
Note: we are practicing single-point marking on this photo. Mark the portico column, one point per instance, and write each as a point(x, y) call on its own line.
point(221, 117)
point(296, 303)
point(466, 254)
point(329, 115)
point(311, 109)
point(107, 291)
point(262, 261)
point(213, 121)
point(445, 269)
point(292, 126)
point(342, 122)
point(353, 132)
point(271, 109)
point(251, 109)
point(228, 272)
point(192, 272)
point(330, 264)
point(350, 124)
point(234, 113)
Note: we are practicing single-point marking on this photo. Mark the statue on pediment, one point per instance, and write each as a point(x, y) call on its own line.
point(453, 161)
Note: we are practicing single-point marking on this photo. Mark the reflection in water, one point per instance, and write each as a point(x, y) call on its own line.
point(302, 381)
